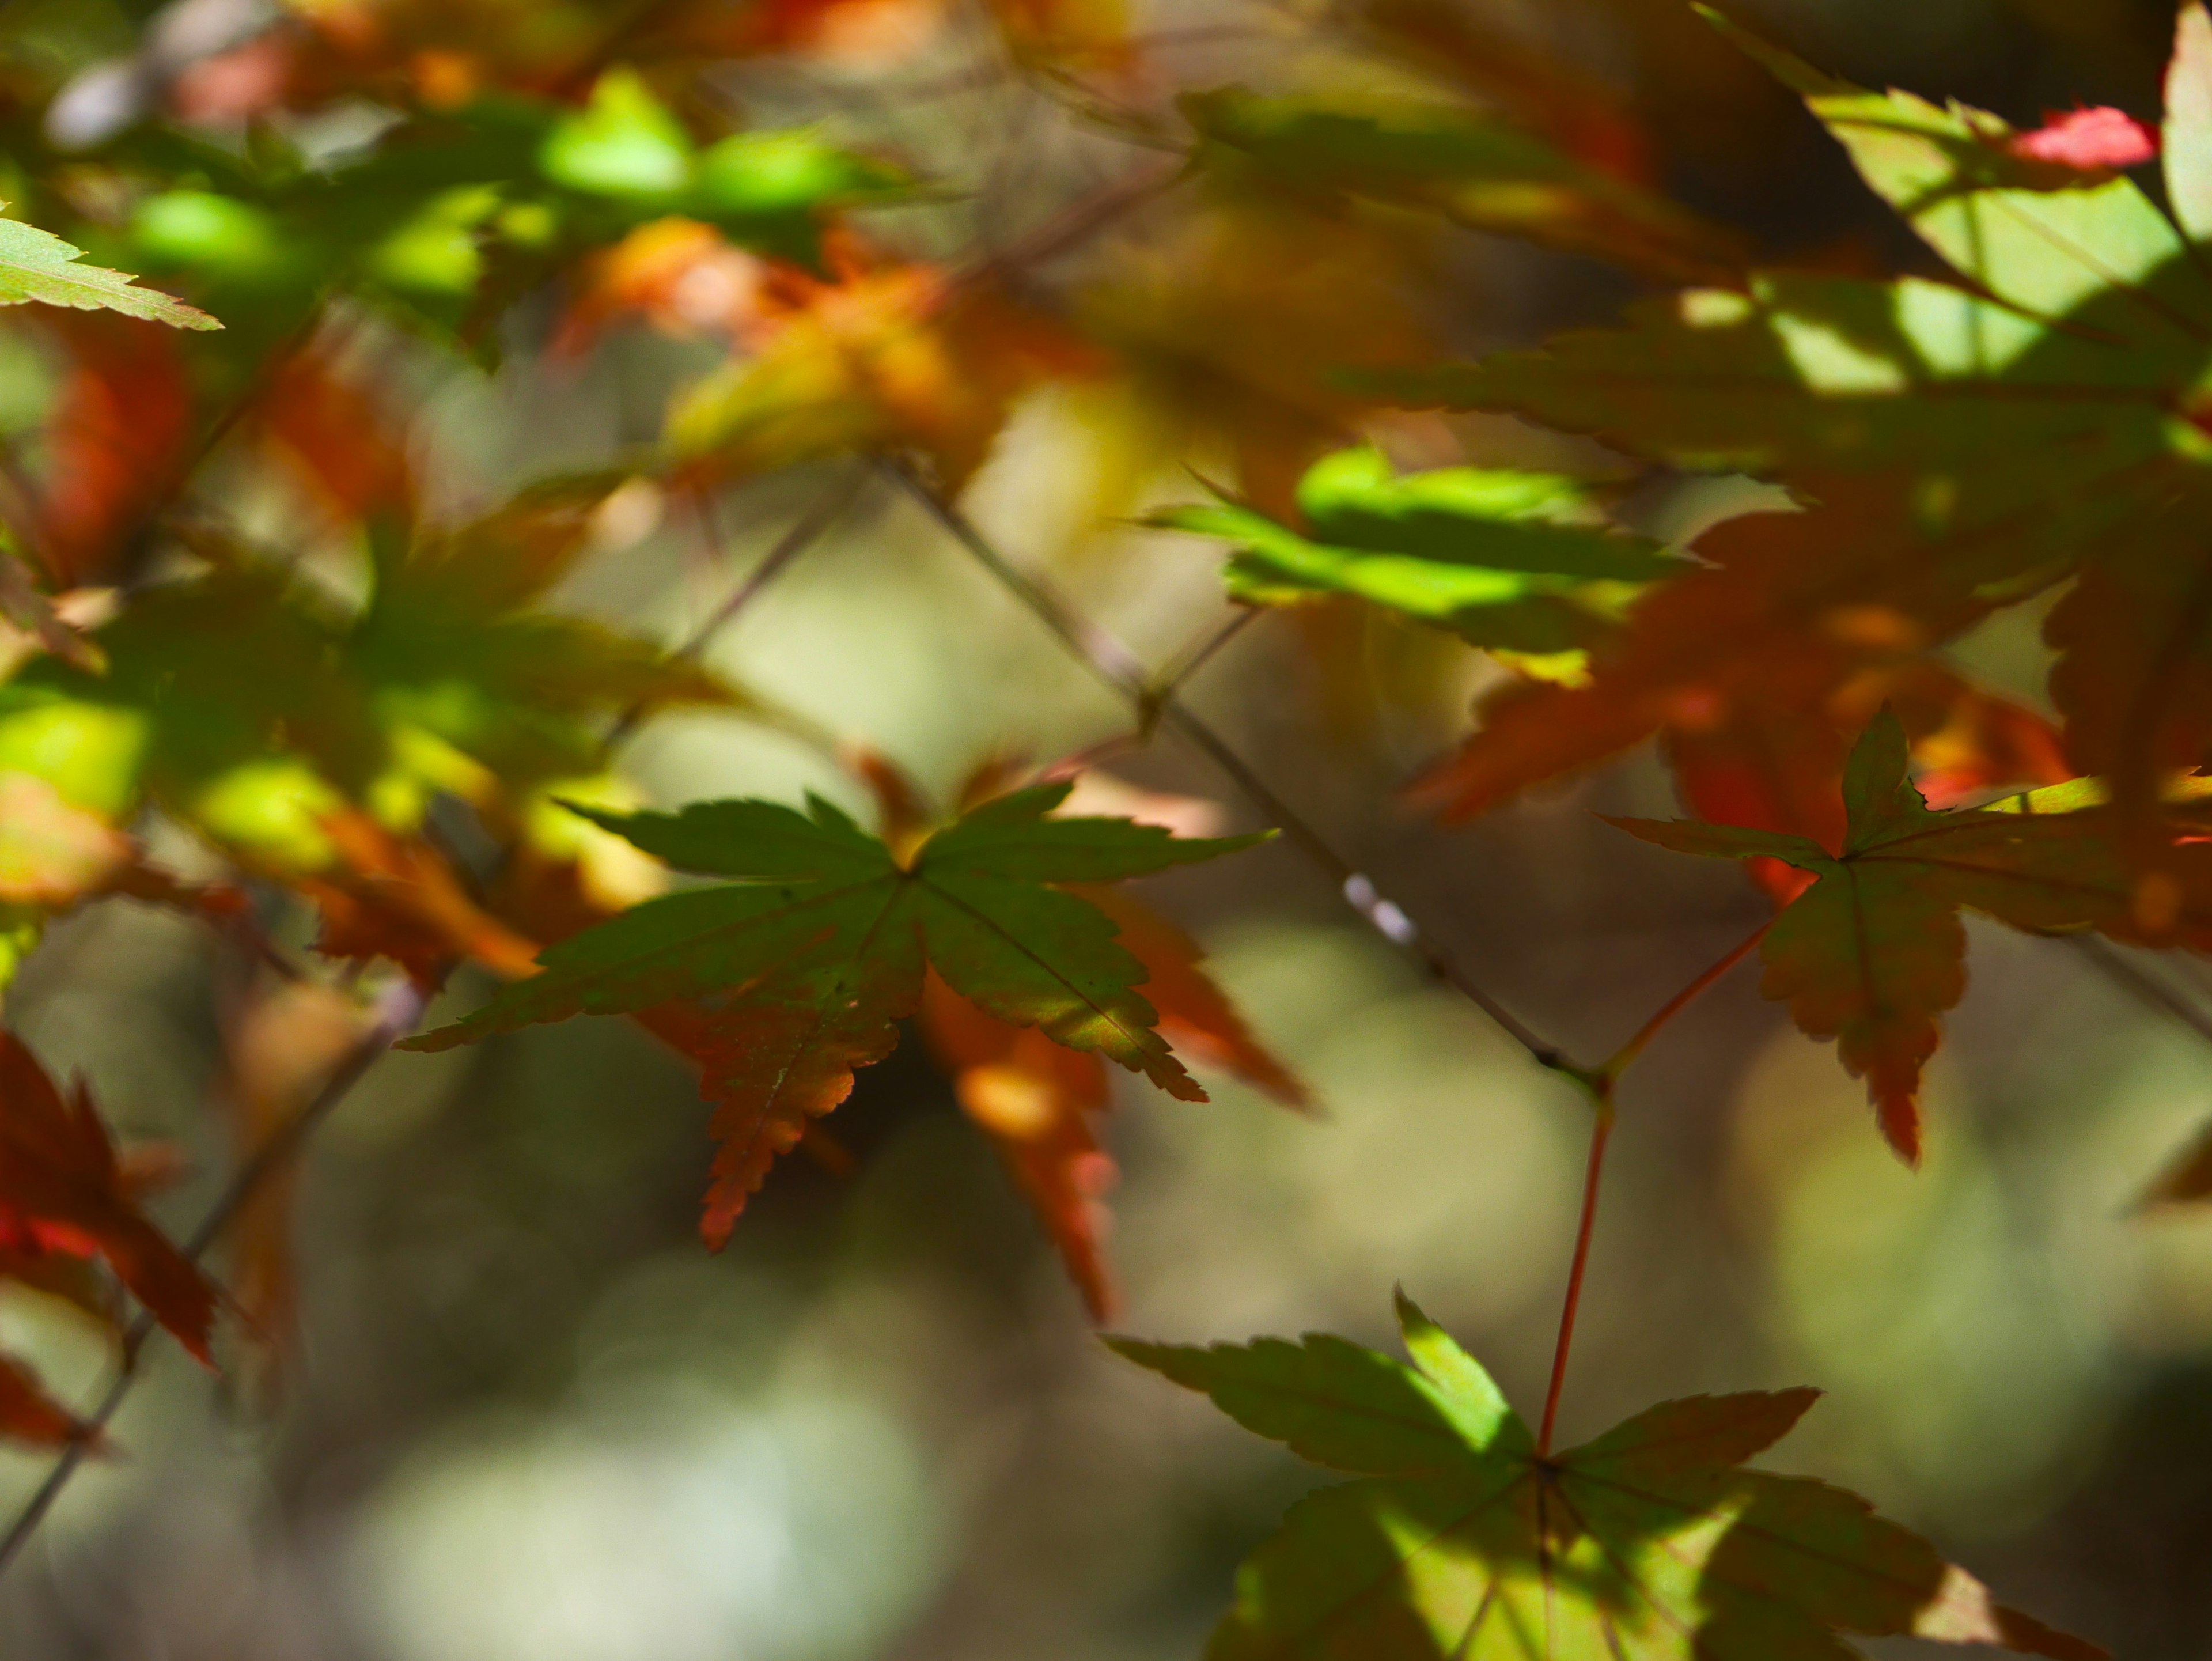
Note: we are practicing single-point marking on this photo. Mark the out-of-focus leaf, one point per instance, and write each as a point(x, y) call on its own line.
point(1508, 560)
point(115, 441)
point(34, 264)
point(625, 143)
point(2188, 138)
point(2042, 419)
point(1651, 1543)
point(1038, 1101)
point(804, 964)
point(1872, 953)
point(62, 1184)
point(28, 1414)
point(1475, 169)
point(285, 1042)
point(897, 356)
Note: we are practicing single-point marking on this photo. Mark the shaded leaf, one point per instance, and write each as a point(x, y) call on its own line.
point(62, 1184)
point(1873, 953)
point(28, 1414)
point(1475, 169)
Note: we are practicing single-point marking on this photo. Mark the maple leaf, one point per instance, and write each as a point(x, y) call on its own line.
point(2034, 418)
point(1873, 951)
point(1474, 169)
point(1773, 765)
point(62, 1187)
point(1462, 1540)
point(28, 1414)
point(114, 442)
point(1508, 560)
point(1789, 609)
point(37, 266)
point(902, 354)
point(801, 968)
point(1038, 1100)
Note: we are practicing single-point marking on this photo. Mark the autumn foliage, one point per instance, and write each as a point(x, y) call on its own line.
point(261, 675)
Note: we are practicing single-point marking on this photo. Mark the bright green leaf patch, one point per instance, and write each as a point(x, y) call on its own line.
point(1462, 1543)
point(802, 966)
point(1513, 561)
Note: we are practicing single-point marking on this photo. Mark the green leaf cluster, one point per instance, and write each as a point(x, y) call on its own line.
point(1516, 561)
point(447, 207)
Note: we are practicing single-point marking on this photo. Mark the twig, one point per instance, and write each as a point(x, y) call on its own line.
point(1600, 1139)
point(1627, 1054)
point(1114, 664)
point(806, 530)
point(2147, 988)
point(401, 1011)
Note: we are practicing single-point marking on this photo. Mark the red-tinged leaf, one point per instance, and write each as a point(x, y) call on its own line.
point(1872, 953)
point(1794, 607)
point(284, 1044)
point(400, 899)
point(1195, 1014)
point(902, 354)
point(683, 277)
point(2090, 140)
point(1772, 766)
point(28, 1414)
point(52, 854)
point(1036, 1101)
point(2134, 675)
point(335, 433)
point(1039, 1101)
point(771, 1072)
point(802, 966)
point(114, 443)
point(60, 1177)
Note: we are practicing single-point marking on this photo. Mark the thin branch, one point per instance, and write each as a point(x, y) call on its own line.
point(1182, 668)
point(804, 533)
point(1068, 230)
point(1627, 1054)
point(400, 1011)
point(2123, 973)
point(1114, 664)
point(1600, 1139)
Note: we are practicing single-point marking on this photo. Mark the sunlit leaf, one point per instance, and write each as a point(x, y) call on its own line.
point(1652, 1542)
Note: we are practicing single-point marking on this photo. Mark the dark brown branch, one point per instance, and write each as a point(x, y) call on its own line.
point(1115, 665)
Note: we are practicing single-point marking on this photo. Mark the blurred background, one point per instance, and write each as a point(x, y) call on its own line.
point(528, 1416)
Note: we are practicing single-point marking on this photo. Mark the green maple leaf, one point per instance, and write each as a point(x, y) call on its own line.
point(1468, 166)
point(1873, 953)
point(1462, 1541)
point(2046, 414)
point(1511, 560)
point(803, 964)
point(37, 266)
